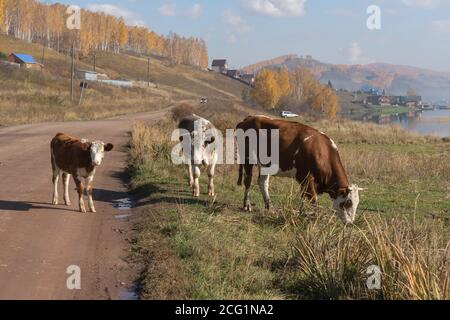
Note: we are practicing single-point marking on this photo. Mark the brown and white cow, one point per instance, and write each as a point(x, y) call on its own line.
point(196, 134)
point(307, 155)
point(78, 158)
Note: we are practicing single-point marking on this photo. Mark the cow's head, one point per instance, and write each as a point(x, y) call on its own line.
point(202, 136)
point(346, 204)
point(97, 150)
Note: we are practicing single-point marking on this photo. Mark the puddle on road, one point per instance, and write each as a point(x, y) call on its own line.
point(123, 205)
point(128, 294)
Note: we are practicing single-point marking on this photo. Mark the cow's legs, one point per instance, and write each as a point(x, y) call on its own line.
point(211, 169)
point(196, 176)
point(191, 176)
point(89, 192)
point(248, 183)
point(80, 189)
point(66, 180)
point(311, 192)
point(263, 182)
point(55, 179)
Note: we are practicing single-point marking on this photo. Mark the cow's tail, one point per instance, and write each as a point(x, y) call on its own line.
point(241, 174)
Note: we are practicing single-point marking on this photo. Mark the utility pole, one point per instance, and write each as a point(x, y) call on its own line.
point(148, 72)
point(72, 71)
point(43, 54)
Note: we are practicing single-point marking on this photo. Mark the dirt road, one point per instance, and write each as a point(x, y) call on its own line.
point(39, 241)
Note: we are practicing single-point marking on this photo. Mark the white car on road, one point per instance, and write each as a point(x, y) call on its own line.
point(288, 114)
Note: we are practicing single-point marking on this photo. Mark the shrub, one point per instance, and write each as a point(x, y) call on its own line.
point(182, 111)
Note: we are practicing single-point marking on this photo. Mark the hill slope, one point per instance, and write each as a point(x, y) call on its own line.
point(30, 96)
point(396, 79)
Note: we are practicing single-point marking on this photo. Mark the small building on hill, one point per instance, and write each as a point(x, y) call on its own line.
point(248, 78)
point(25, 60)
point(219, 65)
point(233, 73)
point(87, 75)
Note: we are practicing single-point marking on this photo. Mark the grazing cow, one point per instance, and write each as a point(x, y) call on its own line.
point(78, 158)
point(201, 134)
point(310, 157)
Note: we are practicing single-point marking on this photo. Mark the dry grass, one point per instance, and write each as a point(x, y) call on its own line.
point(346, 131)
point(331, 261)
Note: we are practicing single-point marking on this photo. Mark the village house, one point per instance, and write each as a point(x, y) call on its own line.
point(248, 78)
point(25, 61)
point(233, 73)
point(219, 65)
point(87, 75)
point(398, 100)
point(414, 101)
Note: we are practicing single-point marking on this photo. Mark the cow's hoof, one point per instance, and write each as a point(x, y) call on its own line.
point(68, 203)
point(211, 194)
point(248, 208)
point(93, 210)
point(55, 203)
point(82, 210)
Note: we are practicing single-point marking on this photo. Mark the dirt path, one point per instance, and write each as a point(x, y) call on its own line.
point(39, 241)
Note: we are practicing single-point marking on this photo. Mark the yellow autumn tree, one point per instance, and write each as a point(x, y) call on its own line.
point(283, 81)
point(266, 90)
point(2, 8)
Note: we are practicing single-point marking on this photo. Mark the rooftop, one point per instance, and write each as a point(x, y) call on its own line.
point(26, 58)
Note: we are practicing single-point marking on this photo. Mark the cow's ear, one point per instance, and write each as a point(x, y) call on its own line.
point(86, 146)
point(109, 147)
point(211, 140)
point(344, 192)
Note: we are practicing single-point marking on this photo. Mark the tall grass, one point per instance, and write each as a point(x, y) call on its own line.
point(331, 261)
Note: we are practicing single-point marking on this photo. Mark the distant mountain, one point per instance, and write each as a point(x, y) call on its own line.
point(395, 79)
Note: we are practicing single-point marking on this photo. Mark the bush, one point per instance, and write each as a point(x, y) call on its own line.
point(182, 111)
point(3, 56)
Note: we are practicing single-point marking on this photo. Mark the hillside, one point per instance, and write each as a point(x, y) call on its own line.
point(396, 79)
point(31, 96)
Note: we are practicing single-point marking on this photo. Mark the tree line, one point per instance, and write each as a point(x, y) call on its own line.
point(298, 89)
point(33, 21)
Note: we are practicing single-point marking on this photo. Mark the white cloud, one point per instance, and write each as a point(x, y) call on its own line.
point(168, 10)
point(195, 11)
point(232, 39)
point(422, 3)
point(442, 26)
point(354, 53)
point(236, 22)
point(341, 12)
point(276, 8)
point(130, 17)
point(236, 26)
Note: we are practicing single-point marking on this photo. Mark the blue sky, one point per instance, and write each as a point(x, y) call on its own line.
point(413, 32)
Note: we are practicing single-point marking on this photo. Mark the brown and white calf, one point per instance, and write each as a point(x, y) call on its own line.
point(196, 134)
point(77, 158)
point(307, 155)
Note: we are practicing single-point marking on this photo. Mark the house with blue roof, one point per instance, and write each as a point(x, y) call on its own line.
point(25, 60)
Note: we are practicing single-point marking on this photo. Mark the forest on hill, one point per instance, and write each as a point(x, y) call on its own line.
point(37, 22)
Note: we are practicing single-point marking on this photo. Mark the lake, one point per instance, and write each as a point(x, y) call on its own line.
point(433, 122)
